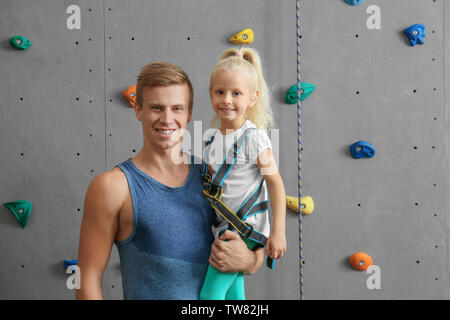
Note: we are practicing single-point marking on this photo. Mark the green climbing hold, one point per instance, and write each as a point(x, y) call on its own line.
point(305, 90)
point(21, 210)
point(20, 42)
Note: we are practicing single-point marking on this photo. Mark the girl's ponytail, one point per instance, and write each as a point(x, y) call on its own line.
point(261, 114)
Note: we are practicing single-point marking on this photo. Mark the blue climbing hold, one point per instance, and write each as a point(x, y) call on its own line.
point(353, 2)
point(68, 263)
point(362, 149)
point(415, 34)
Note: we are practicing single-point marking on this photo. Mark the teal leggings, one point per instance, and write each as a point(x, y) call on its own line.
point(224, 286)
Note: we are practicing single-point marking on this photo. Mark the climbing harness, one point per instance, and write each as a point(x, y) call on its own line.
point(299, 135)
point(212, 191)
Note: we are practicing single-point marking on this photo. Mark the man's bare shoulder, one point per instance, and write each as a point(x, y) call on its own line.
point(110, 188)
point(113, 179)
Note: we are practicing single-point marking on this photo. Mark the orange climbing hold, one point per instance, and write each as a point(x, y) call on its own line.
point(361, 261)
point(130, 95)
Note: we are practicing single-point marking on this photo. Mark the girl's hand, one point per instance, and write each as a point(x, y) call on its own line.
point(276, 245)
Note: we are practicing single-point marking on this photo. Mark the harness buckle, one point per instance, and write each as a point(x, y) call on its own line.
point(207, 177)
point(215, 190)
point(212, 190)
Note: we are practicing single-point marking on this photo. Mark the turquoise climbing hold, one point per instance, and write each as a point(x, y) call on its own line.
point(21, 210)
point(20, 42)
point(305, 90)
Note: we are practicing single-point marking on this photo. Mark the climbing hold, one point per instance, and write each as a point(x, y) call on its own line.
point(21, 210)
point(305, 90)
point(307, 204)
point(361, 149)
point(20, 42)
point(68, 263)
point(130, 95)
point(353, 2)
point(243, 37)
point(361, 261)
point(415, 34)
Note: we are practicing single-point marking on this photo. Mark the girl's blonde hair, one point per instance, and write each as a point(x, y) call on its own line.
point(247, 60)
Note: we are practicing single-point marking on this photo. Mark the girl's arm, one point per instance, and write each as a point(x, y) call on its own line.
point(267, 166)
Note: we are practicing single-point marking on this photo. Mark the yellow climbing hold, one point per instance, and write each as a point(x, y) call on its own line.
point(307, 204)
point(243, 37)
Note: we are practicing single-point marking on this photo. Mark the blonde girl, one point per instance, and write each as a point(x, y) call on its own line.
point(241, 101)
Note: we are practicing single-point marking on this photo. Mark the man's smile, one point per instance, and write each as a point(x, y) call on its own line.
point(166, 132)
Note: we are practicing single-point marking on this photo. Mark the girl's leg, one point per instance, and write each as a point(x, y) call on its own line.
point(237, 289)
point(216, 284)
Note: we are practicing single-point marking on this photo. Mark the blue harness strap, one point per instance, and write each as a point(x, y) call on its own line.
point(225, 167)
point(250, 203)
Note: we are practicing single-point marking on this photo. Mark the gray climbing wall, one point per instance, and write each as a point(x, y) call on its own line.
point(373, 86)
point(63, 121)
point(52, 137)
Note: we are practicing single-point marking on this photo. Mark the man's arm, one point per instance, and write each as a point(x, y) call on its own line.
point(98, 230)
point(234, 255)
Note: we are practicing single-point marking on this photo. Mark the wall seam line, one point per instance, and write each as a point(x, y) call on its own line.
point(445, 135)
point(104, 80)
point(106, 273)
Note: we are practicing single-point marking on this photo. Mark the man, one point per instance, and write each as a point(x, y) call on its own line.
point(151, 207)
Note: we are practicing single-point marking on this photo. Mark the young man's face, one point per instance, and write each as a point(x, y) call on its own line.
point(164, 114)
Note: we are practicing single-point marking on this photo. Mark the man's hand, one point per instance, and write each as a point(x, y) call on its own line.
point(234, 255)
